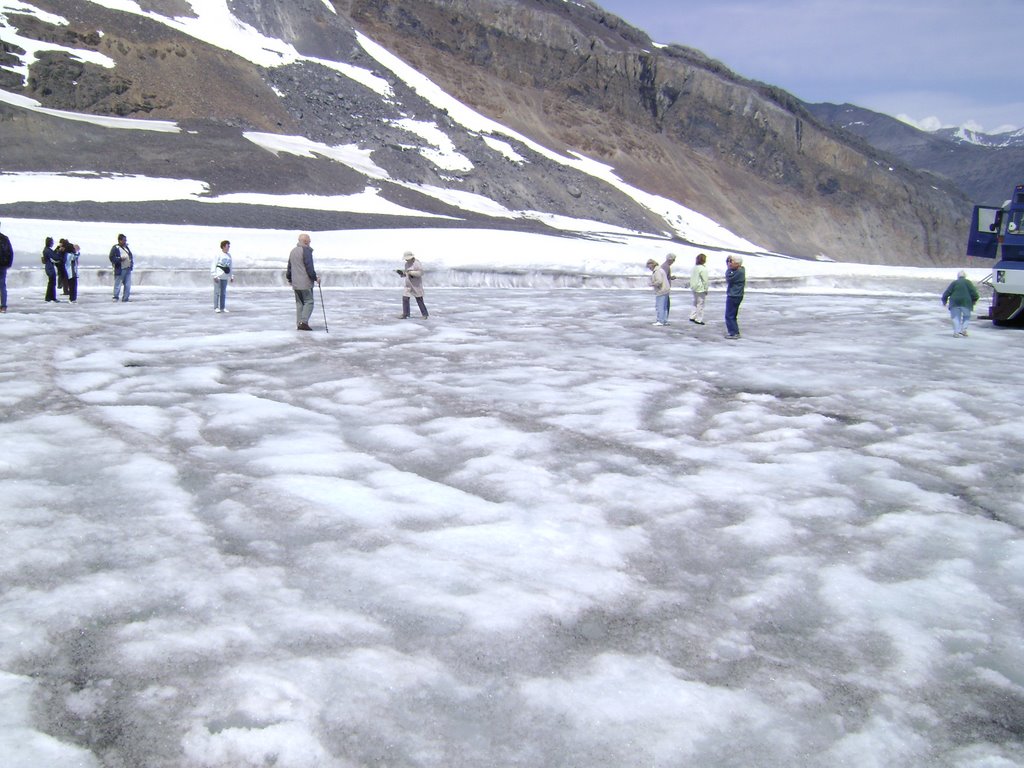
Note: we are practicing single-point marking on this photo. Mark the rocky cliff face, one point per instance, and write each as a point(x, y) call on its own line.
point(672, 121)
point(567, 75)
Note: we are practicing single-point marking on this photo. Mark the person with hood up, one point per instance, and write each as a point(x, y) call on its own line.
point(961, 295)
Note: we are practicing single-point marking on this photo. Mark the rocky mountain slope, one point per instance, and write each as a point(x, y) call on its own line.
point(568, 77)
point(985, 168)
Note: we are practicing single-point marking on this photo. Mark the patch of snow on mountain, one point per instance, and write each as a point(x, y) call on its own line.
point(348, 154)
point(504, 148)
point(367, 201)
point(106, 121)
point(74, 187)
point(441, 151)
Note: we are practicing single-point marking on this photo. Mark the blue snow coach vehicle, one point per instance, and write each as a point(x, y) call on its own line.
point(998, 233)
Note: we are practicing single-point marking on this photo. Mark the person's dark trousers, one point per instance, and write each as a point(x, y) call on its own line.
point(51, 287)
point(72, 288)
point(732, 309)
point(419, 302)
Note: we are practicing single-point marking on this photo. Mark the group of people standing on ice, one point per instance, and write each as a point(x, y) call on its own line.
point(960, 296)
point(735, 282)
point(61, 265)
point(61, 262)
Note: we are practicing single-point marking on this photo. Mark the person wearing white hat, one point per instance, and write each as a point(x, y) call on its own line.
point(961, 296)
point(413, 274)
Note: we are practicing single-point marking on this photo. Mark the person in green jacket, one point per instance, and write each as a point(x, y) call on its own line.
point(961, 296)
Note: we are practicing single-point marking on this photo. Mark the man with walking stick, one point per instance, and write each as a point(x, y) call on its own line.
point(301, 274)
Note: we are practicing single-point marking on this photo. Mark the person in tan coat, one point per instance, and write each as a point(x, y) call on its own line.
point(413, 274)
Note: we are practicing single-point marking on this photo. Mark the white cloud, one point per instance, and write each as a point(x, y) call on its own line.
point(929, 124)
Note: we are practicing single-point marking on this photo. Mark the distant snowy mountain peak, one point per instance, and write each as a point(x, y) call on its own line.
point(984, 166)
point(968, 136)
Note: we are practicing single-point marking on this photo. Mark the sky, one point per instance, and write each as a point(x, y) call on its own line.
point(940, 63)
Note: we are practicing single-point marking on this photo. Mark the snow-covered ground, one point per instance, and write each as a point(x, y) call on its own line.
point(531, 531)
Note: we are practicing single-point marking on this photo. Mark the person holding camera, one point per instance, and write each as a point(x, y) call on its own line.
point(662, 288)
point(735, 286)
point(221, 273)
point(413, 274)
point(123, 262)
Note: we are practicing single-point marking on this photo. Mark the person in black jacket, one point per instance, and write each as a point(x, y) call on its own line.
point(6, 262)
point(50, 259)
point(62, 266)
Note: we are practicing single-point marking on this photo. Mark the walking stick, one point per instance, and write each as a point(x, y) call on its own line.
point(322, 307)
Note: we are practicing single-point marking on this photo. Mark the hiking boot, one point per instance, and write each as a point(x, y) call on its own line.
point(304, 327)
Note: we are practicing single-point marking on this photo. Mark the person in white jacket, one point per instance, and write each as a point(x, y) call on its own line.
point(699, 287)
point(221, 274)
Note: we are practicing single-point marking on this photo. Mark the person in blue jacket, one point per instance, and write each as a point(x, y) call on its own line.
point(735, 285)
